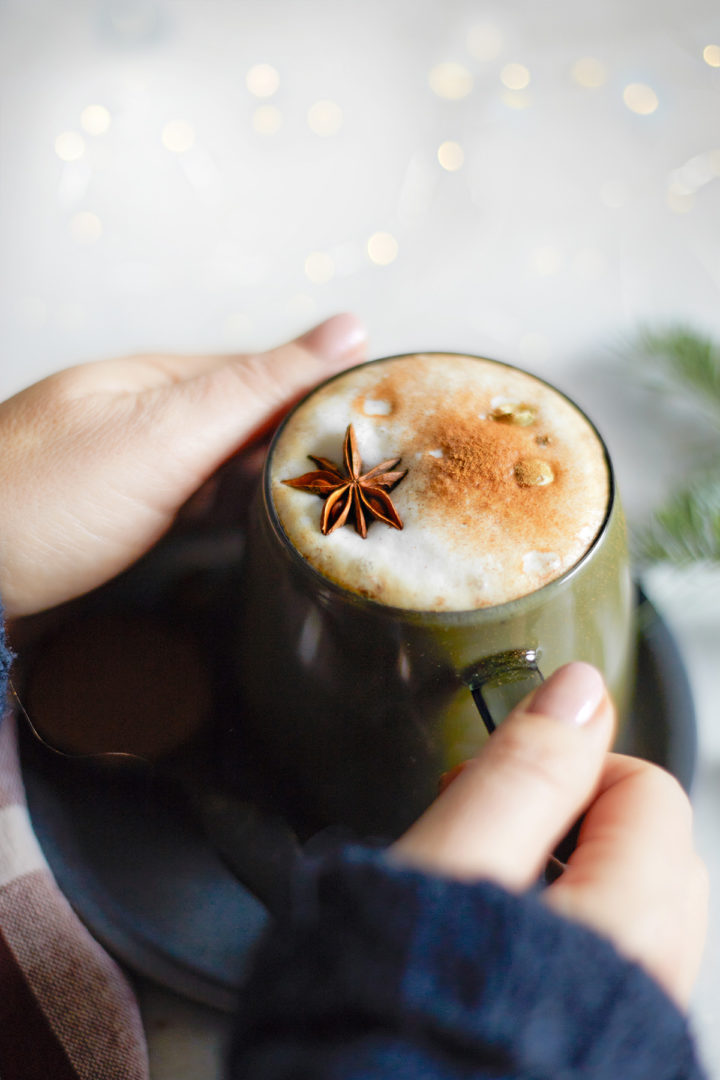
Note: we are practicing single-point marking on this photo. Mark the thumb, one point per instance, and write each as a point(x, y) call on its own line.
point(233, 399)
point(510, 806)
point(270, 382)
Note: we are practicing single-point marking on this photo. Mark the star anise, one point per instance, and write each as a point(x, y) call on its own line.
point(352, 493)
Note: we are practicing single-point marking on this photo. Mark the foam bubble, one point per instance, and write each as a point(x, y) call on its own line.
point(540, 563)
point(373, 407)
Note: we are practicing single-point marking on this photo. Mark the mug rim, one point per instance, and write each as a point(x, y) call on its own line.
point(460, 614)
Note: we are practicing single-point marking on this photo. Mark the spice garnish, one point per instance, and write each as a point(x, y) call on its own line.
point(352, 493)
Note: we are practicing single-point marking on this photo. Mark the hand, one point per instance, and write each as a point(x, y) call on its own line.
point(96, 461)
point(633, 876)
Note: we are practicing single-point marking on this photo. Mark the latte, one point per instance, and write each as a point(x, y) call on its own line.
point(507, 484)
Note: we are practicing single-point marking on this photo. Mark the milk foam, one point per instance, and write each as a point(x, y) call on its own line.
point(483, 524)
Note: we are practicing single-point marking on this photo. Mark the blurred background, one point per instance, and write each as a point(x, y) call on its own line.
point(536, 182)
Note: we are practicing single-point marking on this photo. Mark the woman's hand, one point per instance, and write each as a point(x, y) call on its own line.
point(634, 875)
point(96, 461)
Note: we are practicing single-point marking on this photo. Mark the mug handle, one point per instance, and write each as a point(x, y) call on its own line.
point(498, 683)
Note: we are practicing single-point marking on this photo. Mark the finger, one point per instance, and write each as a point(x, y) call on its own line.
point(266, 384)
point(634, 874)
point(508, 808)
point(630, 790)
point(330, 346)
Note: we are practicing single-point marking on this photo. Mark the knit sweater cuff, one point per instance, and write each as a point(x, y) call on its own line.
point(471, 972)
point(6, 659)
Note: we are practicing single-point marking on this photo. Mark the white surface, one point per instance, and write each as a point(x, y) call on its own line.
point(199, 214)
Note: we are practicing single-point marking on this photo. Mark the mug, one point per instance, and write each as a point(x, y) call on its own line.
point(354, 709)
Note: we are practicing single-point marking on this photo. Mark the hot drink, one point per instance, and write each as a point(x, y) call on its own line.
point(506, 484)
point(433, 533)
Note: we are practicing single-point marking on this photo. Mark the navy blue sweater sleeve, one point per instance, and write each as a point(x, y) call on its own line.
point(5, 661)
point(382, 972)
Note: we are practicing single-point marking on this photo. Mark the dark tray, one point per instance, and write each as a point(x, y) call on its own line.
point(142, 876)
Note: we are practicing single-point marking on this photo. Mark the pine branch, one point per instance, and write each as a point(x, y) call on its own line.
point(682, 360)
point(686, 529)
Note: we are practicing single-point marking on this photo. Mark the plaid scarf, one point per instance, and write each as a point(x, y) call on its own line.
point(67, 1012)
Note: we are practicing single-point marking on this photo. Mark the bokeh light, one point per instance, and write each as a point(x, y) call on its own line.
point(267, 120)
point(711, 55)
point(589, 72)
point(325, 118)
point(640, 99)
point(69, 146)
point(515, 76)
point(95, 119)
point(451, 156)
point(450, 80)
point(178, 136)
point(382, 248)
point(85, 228)
point(516, 99)
point(262, 80)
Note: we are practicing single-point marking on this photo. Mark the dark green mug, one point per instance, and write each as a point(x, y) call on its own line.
point(354, 709)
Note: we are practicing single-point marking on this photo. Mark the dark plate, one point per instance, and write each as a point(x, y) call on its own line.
point(143, 878)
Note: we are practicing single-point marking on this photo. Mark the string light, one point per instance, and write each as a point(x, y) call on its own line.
point(711, 55)
point(325, 118)
point(450, 80)
point(262, 80)
point(382, 248)
point(267, 120)
point(589, 72)
point(451, 156)
point(69, 146)
point(319, 267)
point(178, 136)
point(85, 228)
point(484, 41)
point(515, 76)
point(640, 99)
point(95, 119)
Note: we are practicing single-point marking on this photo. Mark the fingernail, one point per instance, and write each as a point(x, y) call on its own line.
point(572, 694)
point(338, 340)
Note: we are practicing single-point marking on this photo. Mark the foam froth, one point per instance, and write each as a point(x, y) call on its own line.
point(507, 484)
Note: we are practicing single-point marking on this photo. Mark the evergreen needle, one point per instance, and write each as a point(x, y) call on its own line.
point(679, 359)
point(686, 527)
